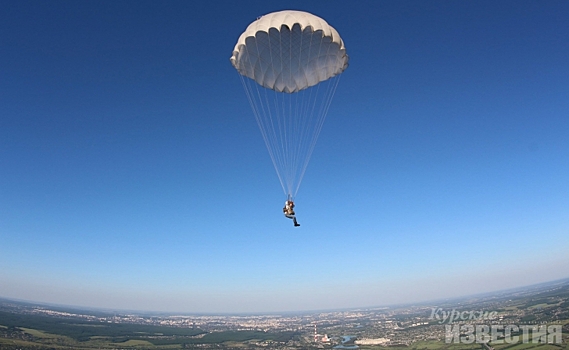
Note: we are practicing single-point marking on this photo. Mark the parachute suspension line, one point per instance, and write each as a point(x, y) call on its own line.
point(286, 100)
point(303, 127)
point(301, 116)
point(301, 124)
point(325, 106)
point(290, 134)
point(263, 116)
point(258, 111)
point(319, 116)
point(273, 114)
point(283, 106)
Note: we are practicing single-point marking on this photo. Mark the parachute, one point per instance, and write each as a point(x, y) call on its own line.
point(290, 63)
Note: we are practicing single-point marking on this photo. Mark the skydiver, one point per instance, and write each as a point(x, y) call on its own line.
point(288, 211)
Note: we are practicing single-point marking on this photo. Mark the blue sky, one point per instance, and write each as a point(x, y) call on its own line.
point(134, 176)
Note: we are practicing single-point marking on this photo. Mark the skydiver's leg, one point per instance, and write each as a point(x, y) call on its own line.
point(293, 219)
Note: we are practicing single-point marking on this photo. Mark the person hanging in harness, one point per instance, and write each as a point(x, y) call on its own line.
point(288, 211)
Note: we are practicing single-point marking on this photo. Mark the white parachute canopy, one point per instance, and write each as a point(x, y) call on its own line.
point(289, 63)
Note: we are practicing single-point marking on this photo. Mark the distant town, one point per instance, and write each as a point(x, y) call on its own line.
point(441, 325)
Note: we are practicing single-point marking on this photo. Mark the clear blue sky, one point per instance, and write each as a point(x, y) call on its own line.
point(133, 174)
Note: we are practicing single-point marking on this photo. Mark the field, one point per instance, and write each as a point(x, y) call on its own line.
point(34, 331)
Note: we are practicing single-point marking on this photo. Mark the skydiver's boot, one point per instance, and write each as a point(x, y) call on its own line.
point(296, 224)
